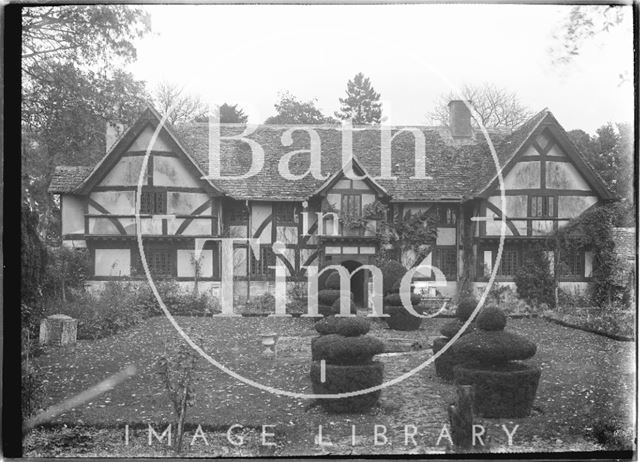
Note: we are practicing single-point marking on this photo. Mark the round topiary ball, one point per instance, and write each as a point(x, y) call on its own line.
point(333, 281)
point(349, 327)
point(352, 306)
point(491, 318)
point(328, 296)
point(465, 308)
point(493, 347)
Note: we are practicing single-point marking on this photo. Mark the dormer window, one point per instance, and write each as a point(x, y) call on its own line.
point(351, 205)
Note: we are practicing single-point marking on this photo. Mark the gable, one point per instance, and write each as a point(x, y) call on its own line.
point(548, 160)
point(168, 163)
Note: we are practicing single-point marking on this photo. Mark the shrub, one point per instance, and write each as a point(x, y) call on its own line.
point(491, 318)
point(506, 390)
point(611, 435)
point(391, 272)
point(395, 300)
point(337, 349)
point(348, 327)
point(333, 281)
point(465, 308)
point(534, 280)
point(400, 319)
point(492, 347)
point(353, 309)
point(346, 378)
point(328, 296)
point(265, 303)
point(451, 328)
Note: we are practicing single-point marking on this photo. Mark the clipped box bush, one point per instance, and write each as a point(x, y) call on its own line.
point(395, 300)
point(399, 318)
point(465, 308)
point(501, 391)
point(329, 296)
point(342, 379)
point(347, 355)
point(503, 388)
point(338, 349)
point(353, 309)
point(348, 327)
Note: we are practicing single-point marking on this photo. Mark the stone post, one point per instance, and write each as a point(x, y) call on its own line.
point(58, 329)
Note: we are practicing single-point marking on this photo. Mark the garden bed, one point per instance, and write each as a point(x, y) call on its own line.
point(614, 323)
point(585, 378)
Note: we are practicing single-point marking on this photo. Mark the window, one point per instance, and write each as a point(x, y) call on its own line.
point(508, 263)
point(267, 259)
point(446, 215)
point(238, 214)
point(284, 213)
point(161, 262)
point(351, 205)
point(153, 202)
point(571, 264)
point(445, 259)
point(542, 206)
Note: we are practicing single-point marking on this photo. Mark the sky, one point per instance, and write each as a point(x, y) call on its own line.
point(248, 54)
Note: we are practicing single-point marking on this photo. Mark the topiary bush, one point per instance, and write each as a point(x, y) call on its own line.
point(348, 360)
point(338, 349)
point(465, 308)
point(444, 363)
point(399, 318)
point(503, 388)
point(491, 318)
point(348, 327)
point(343, 379)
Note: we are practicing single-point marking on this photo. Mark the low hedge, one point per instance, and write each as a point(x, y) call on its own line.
point(503, 391)
point(347, 378)
point(337, 349)
point(349, 327)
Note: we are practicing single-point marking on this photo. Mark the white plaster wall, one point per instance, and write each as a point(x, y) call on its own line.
point(72, 214)
point(74, 243)
point(446, 236)
point(287, 234)
point(170, 171)
point(186, 263)
point(112, 262)
point(116, 202)
point(572, 206)
point(141, 143)
point(259, 213)
point(198, 227)
point(563, 175)
point(523, 175)
point(125, 173)
point(102, 226)
point(184, 203)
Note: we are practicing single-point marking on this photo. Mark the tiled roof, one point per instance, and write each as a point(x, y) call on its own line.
point(66, 179)
point(456, 168)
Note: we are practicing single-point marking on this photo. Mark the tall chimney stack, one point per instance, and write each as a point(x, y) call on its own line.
point(460, 119)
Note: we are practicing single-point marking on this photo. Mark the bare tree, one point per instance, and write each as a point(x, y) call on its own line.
point(497, 107)
point(170, 98)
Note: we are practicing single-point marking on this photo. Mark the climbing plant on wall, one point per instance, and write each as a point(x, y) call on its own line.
point(594, 230)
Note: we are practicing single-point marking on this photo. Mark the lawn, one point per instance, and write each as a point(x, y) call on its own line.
point(585, 378)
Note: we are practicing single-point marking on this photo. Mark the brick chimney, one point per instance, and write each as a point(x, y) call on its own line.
point(113, 131)
point(459, 119)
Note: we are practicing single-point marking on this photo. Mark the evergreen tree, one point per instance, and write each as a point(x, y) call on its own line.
point(232, 114)
point(362, 103)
